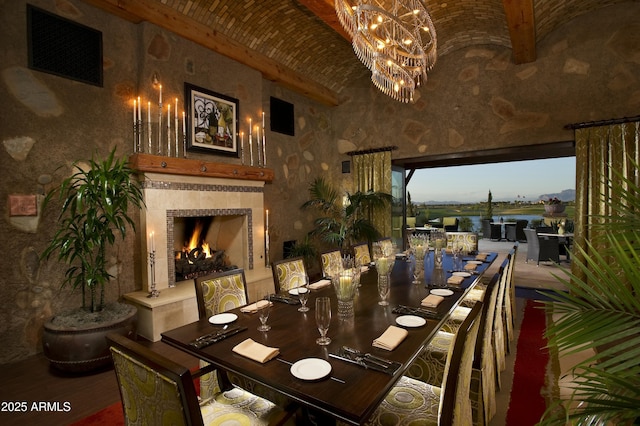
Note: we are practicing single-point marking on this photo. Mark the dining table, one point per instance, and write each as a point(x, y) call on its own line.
point(349, 391)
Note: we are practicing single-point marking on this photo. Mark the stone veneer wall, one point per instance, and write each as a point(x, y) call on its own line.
point(475, 98)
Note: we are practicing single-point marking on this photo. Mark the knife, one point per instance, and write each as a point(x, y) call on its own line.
point(376, 360)
point(216, 337)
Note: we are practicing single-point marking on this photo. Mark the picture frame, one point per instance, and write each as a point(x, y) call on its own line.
point(212, 122)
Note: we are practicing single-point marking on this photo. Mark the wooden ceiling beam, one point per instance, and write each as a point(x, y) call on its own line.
point(325, 10)
point(522, 29)
point(185, 27)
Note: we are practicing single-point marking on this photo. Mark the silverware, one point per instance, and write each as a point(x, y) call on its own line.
point(374, 359)
point(215, 333)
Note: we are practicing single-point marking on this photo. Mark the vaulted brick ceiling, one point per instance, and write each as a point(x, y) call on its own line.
point(300, 44)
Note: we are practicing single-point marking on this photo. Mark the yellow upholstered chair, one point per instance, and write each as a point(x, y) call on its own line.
point(450, 224)
point(413, 401)
point(383, 247)
point(361, 253)
point(331, 262)
point(158, 391)
point(467, 240)
point(220, 292)
point(509, 302)
point(288, 274)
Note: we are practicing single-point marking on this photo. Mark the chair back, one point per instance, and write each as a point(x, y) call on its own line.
point(331, 262)
point(382, 247)
point(486, 228)
point(467, 240)
point(455, 406)
point(220, 292)
point(362, 254)
point(154, 389)
point(288, 273)
point(450, 224)
point(509, 302)
point(499, 329)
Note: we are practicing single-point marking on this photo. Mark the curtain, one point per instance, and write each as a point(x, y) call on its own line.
point(599, 151)
point(372, 172)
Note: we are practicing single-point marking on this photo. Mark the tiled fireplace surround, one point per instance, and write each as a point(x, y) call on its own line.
point(169, 194)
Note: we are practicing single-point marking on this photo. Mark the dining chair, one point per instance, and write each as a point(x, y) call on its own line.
point(362, 254)
point(515, 231)
point(288, 273)
point(412, 400)
point(499, 329)
point(331, 262)
point(509, 302)
point(496, 231)
point(157, 390)
point(385, 245)
point(450, 224)
point(467, 240)
point(540, 248)
point(220, 292)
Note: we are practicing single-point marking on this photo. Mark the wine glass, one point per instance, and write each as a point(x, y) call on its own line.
point(303, 294)
point(323, 319)
point(383, 290)
point(263, 313)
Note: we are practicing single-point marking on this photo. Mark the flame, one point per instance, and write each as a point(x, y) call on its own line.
point(195, 239)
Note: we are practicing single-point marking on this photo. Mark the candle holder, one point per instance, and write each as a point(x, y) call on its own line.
point(152, 262)
point(137, 136)
point(159, 128)
point(266, 248)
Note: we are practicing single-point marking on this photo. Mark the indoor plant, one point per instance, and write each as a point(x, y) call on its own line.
point(344, 223)
point(95, 204)
point(601, 311)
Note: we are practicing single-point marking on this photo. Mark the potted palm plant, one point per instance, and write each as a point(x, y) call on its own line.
point(342, 223)
point(95, 209)
point(601, 312)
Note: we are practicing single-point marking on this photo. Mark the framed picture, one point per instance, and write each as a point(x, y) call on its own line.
point(212, 122)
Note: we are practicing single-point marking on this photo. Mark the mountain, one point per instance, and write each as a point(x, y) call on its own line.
point(566, 195)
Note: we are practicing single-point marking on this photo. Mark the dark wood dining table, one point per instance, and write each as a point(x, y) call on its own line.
point(351, 393)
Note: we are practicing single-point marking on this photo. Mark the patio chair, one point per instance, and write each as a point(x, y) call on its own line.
point(546, 249)
point(156, 390)
point(450, 224)
point(495, 231)
point(515, 231)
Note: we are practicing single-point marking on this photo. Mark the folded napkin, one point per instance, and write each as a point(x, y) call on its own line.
point(432, 301)
point(470, 267)
point(391, 338)
point(319, 284)
point(256, 351)
point(454, 280)
point(364, 268)
point(254, 307)
point(482, 256)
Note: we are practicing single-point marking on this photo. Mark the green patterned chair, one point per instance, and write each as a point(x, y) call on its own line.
point(430, 365)
point(288, 274)
point(331, 262)
point(467, 240)
point(158, 391)
point(362, 254)
point(412, 401)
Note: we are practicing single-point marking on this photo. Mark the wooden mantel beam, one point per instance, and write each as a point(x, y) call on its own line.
point(181, 25)
point(522, 29)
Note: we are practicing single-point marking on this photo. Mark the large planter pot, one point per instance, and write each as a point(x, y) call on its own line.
point(554, 208)
point(83, 347)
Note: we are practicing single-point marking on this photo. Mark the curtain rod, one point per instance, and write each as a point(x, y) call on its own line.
point(602, 122)
point(372, 150)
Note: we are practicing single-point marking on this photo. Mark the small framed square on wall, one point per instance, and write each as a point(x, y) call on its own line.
point(212, 122)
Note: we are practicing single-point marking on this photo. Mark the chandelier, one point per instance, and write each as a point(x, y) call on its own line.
point(395, 39)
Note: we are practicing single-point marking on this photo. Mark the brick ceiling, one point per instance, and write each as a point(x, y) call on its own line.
point(302, 38)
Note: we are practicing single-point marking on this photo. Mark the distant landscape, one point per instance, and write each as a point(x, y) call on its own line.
point(567, 195)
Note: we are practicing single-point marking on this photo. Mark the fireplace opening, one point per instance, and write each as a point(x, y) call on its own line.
point(205, 244)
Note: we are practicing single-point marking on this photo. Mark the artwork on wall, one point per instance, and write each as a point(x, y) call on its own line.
point(212, 122)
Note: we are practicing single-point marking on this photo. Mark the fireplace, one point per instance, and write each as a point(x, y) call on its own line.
point(177, 190)
point(209, 241)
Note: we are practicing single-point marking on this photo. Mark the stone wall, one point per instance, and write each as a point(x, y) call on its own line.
point(476, 98)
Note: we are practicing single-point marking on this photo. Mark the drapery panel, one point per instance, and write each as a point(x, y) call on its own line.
point(372, 172)
point(599, 151)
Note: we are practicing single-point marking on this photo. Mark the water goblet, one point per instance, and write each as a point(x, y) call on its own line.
point(383, 289)
point(263, 313)
point(303, 295)
point(323, 319)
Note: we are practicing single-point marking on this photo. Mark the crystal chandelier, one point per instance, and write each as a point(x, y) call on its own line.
point(395, 39)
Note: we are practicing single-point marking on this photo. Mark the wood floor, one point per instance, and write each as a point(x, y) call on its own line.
point(34, 382)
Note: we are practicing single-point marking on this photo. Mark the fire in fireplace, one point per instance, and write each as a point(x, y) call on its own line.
point(197, 255)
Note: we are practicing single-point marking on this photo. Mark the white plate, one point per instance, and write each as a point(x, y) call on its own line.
point(311, 369)
point(411, 321)
point(294, 291)
point(441, 292)
point(475, 262)
point(225, 318)
point(461, 274)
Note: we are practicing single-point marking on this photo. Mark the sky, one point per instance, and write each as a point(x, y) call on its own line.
point(506, 181)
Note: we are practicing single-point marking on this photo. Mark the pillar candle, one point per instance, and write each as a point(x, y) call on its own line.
point(160, 95)
point(149, 124)
point(266, 224)
point(258, 143)
point(139, 114)
point(176, 125)
point(168, 129)
point(152, 242)
point(134, 112)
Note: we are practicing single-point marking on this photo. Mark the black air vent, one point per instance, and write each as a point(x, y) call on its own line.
point(63, 47)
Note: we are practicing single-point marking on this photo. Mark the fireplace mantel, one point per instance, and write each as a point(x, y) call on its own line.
point(190, 167)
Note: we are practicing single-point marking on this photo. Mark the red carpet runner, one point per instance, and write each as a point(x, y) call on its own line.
point(527, 404)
